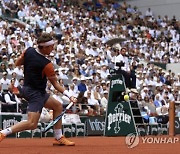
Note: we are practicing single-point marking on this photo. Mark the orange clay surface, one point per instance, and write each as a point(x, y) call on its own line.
point(85, 145)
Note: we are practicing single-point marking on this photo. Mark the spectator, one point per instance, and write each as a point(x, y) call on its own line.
point(63, 73)
point(19, 71)
point(10, 68)
point(104, 72)
point(5, 60)
point(149, 13)
point(157, 102)
point(4, 81)
point(94, 107)
point(14, 89)
point(3, 67)
point(76, 72)
point(144, 92)
point(96, 93)
point(104, 101)
point(149, 106)
point(21, 84)
point(75, 83)
point(82, 86)
point(82, 104)
point(11, 100)
point(83, 70)
point(72, 90)
point(133, 94)
point(14, 76)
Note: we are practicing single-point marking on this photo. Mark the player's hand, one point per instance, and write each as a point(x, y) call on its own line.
point(73, 99)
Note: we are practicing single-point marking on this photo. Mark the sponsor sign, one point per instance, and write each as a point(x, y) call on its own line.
point(95, 125)
point(119, 120)
point(8, 120)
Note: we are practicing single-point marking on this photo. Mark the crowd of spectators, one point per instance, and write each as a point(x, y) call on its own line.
point(82, 57)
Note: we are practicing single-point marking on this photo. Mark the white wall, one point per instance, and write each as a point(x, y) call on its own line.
point(159, 7)
point(174, 67)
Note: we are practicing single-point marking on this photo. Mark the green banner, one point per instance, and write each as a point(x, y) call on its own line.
point(8, 120)
point(162, 65)
point(119, 120)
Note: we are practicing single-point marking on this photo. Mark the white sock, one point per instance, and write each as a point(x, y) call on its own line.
point(6, 131)
point(57, 133)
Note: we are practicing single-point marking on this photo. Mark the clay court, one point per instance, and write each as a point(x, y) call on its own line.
point(85, 145)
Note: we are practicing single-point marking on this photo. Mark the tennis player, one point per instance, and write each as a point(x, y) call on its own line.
point(37, 70)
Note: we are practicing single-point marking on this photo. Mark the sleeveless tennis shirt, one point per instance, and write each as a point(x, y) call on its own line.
point(34, 63)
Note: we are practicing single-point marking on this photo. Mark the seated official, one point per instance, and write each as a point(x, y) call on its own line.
point(11, 101)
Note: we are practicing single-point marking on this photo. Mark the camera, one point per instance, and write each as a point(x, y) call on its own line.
point(120, 64)
point(116, 71)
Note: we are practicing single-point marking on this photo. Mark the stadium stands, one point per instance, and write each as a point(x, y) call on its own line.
point(82, 51)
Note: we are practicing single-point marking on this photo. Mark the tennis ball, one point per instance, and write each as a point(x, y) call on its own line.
point(126, 98)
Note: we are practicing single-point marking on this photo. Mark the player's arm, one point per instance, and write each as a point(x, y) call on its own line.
point(50, 74)
point(20, 60)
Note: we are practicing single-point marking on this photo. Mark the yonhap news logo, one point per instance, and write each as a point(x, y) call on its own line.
point(132, 140)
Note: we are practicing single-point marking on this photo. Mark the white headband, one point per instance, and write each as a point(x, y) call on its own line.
point(47, 43)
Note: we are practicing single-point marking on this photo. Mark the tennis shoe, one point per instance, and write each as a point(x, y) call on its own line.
point(2, 136)
point(63, 141)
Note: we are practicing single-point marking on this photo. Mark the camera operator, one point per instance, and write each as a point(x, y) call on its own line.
point(123, 67)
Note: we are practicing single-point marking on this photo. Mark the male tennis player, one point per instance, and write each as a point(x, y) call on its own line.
point(37, 69)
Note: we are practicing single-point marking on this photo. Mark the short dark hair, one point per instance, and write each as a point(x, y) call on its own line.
point(21, 79)
point(123, 48)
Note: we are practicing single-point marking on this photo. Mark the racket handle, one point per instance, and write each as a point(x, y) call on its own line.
point(69, 105)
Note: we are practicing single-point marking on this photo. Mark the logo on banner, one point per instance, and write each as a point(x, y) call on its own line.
point(118, 117)
point(96, 125)
point(114, 82)
point(9, 122)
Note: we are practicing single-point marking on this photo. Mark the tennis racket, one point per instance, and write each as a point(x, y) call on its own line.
point(52, 123)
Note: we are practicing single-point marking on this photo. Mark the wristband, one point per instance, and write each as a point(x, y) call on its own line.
point(67, 93)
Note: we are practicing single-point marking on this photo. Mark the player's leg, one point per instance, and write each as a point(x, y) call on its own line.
point(29, 124)
point(36, 100)
point(57, 108)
